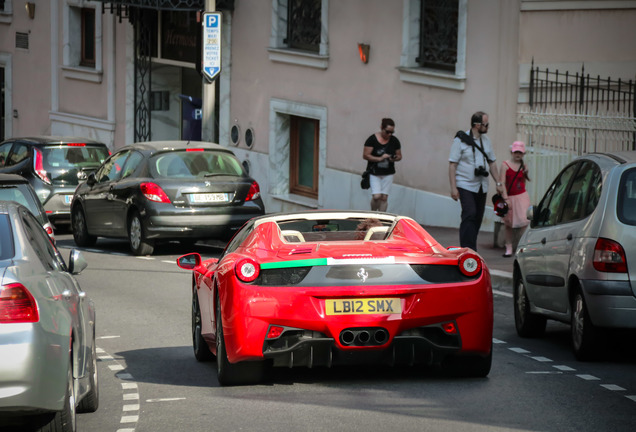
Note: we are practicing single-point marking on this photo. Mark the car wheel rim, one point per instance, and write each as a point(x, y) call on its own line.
point(79, 223)
point(577, 322)
point(196, 323)
point(135, 233)
point(521, 301)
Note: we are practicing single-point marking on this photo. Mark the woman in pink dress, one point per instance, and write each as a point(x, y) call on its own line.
point(514, 174)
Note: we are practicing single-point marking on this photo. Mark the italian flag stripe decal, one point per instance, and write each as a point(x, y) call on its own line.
point(354, 260)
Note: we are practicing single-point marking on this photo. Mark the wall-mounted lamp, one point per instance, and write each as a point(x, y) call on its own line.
point(30, 8)
point(363, 49)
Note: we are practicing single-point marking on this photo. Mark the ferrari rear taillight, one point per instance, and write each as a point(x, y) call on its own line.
point(38, 166)
point(254, 192)
point(469, 264)
point(17, 305)
point(609, 256)
point(153, 192)
point(274, 332)
point(247, 270)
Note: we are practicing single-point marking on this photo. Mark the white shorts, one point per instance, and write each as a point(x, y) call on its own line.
point(381, 184)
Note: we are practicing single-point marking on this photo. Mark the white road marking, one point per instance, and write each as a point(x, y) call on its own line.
point(169, 262)
point(502, 293)
point(498, 341)
point(632, 397)
point(131, 396)
point(128, 385)
point(129, 419)
point(519, 350)
point(148, 258)
point(105, 357)
point(613, 387)
point(134, 407)
point(564, 368)
point(165, 399)
point(107, 337)
point(116, 367)
point(588, 377)
point(541, 359)
point(544, 373)
point(130, 408)
point(124, 376)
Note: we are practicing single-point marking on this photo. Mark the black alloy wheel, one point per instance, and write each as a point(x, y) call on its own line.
point(233, 373)
point(139, 245)
point(201, 350)
point(80, 230)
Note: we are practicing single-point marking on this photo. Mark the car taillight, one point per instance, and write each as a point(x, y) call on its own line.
point(609, 256)
point(247, 270)
point(254, 192)
point(17, 305)
point(38, 166)
point(153, 192)
point(469, 264)
point(274, 332)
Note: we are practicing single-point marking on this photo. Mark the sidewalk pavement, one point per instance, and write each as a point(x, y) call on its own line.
point(500, 267)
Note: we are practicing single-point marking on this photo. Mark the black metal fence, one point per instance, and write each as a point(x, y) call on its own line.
point(579, 93)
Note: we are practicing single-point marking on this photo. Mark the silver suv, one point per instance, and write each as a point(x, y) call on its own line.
point(576, 262)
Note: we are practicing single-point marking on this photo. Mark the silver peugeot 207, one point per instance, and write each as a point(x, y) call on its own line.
point(576, 263)
point(48, 364)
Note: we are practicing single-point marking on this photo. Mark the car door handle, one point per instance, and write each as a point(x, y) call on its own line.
point(569, 237)
point(67, 294)
point(543, 240)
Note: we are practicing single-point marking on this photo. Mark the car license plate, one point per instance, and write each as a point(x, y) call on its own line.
point(68, 199)
point(363, 306)
point(208, 198)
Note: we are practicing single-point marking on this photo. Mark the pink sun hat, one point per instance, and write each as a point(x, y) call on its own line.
point(518, 146)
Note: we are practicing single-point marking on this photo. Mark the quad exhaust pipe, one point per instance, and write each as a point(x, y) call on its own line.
point(371, 336)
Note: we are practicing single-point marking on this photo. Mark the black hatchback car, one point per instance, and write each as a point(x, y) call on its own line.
point(165, 190)
point(54, 166)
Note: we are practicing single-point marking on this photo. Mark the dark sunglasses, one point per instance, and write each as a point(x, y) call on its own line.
point(485, 124)
point(389, 132)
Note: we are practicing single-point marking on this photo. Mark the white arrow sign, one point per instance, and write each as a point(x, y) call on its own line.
point(211, 45)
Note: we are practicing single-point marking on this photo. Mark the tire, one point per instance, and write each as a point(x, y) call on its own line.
point(80, 231)
point(65, 420)
point(527, 324)
point(201, 349)
point(139, 245)
point(233, 373)
point(468, 366)
point(585, 338)
point(90, 401)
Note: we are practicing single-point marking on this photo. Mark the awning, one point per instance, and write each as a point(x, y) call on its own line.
point(174, 5)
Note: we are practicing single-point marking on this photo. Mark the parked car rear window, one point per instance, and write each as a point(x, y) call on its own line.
point(7, 250)
point(195, 164)
point(626, 205)
point(60, 161)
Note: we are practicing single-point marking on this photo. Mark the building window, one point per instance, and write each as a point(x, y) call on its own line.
point(303, 25)
point(299, 32)
point(88, 37)
point(434, 43)
point(438, 34)
point(303, 153)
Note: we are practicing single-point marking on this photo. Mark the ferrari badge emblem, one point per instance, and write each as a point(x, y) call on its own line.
point(362, 274)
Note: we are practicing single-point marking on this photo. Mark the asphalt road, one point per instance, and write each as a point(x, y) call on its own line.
point(150, 381)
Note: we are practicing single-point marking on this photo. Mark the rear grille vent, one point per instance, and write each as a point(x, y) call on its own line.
point(22, 40)
point(282, 277)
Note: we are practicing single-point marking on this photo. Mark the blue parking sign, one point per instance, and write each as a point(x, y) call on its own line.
point(211, 45)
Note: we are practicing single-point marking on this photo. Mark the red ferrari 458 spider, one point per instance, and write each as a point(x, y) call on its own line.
point(339, 287)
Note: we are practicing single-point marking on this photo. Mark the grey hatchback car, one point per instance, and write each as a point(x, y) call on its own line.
point(576, 262)
point(54, 166)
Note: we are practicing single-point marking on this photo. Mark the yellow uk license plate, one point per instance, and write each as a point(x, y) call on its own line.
point(363, 306)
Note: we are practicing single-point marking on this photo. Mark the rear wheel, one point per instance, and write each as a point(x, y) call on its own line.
point(62, 421)
point(585, 338)
point(139, 245)
point(233, 373)
point(90, 401)
point(80, 231)
point(201, 350)
point(527, 323)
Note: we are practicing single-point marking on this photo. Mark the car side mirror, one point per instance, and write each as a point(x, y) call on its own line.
point(76, 262)
point(189, 261)
point(91, 180)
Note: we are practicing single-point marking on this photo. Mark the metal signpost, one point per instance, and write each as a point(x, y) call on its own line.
point(211, 55)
